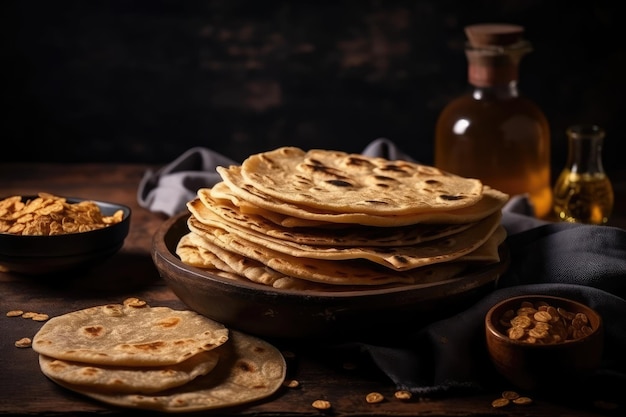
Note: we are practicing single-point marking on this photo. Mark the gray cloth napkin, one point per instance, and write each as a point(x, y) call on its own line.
point(583, 262)
point(169, 189)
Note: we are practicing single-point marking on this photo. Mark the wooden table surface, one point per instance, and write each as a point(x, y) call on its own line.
point(24, 390)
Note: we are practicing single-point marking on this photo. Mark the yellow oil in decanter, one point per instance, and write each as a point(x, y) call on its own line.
point(583, 192)
point(583, 198)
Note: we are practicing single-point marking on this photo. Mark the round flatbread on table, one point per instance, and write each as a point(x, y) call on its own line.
point(249, 369)
point(128, 335)
point(146, 379)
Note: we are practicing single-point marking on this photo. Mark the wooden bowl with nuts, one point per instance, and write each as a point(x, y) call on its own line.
point(544, 343)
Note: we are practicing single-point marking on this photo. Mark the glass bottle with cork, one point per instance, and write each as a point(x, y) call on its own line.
point(493, 133)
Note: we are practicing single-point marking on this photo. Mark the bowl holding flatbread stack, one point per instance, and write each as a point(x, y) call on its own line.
point(295, 243)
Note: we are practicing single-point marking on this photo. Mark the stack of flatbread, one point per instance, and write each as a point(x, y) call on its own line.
point(332, 221)
point(137, 356)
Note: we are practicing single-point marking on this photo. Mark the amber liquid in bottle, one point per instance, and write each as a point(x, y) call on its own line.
point(494, 133)
point(502, 140)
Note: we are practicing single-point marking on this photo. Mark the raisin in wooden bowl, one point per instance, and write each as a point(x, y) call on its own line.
point(544, 343)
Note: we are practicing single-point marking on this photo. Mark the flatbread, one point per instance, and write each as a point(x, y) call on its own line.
point(124, 335)
point(399, 258)
point(249, 369)
point(260, 273)
point(194, 255)
point(215, 212)
point(488, 252)
point(340, 272)
point(244, 194)
point(325, 219)
point(252, 269)
point(351, 183)
point(222, 192)
point(118, 379)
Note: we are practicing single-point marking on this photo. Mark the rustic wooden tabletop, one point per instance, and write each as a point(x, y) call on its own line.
point(24, 390)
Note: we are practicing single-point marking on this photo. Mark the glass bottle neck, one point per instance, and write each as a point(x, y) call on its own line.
point(485, 75)
point(585, 149)
point(499, 91)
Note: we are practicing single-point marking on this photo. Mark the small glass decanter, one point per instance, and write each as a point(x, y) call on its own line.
point(583, 193)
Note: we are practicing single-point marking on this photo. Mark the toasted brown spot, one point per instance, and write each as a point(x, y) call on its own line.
point(339, 183)
point(89, 371)
point(169, 322)
point(183, 342)
point(401, 259)
point(246, 366)
point(358, 162)
point(93, 331)
point(57, 365)
point(384, 178)
point(393, 168)
point(451, 197)
point(147, 346)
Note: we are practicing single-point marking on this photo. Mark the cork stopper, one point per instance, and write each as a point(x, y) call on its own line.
point(494, 51)
point(494, 34)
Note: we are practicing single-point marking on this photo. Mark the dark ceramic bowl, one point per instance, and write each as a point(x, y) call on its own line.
point(288, 314)
point(546, 363)
point(39, 255)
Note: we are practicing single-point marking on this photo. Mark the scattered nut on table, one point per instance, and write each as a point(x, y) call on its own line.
point(374, 397)
point(291, 383)
point(321, 404)
point(511, 397)
point(403, 395)
point(24, 342)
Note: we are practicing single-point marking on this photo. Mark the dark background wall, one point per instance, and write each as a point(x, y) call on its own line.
point(142, 81)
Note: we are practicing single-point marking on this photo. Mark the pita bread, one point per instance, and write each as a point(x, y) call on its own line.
point(249, 369)
point(124, 335)
point(351, 183)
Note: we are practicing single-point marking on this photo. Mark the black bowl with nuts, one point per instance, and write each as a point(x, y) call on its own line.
point(46, 234)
